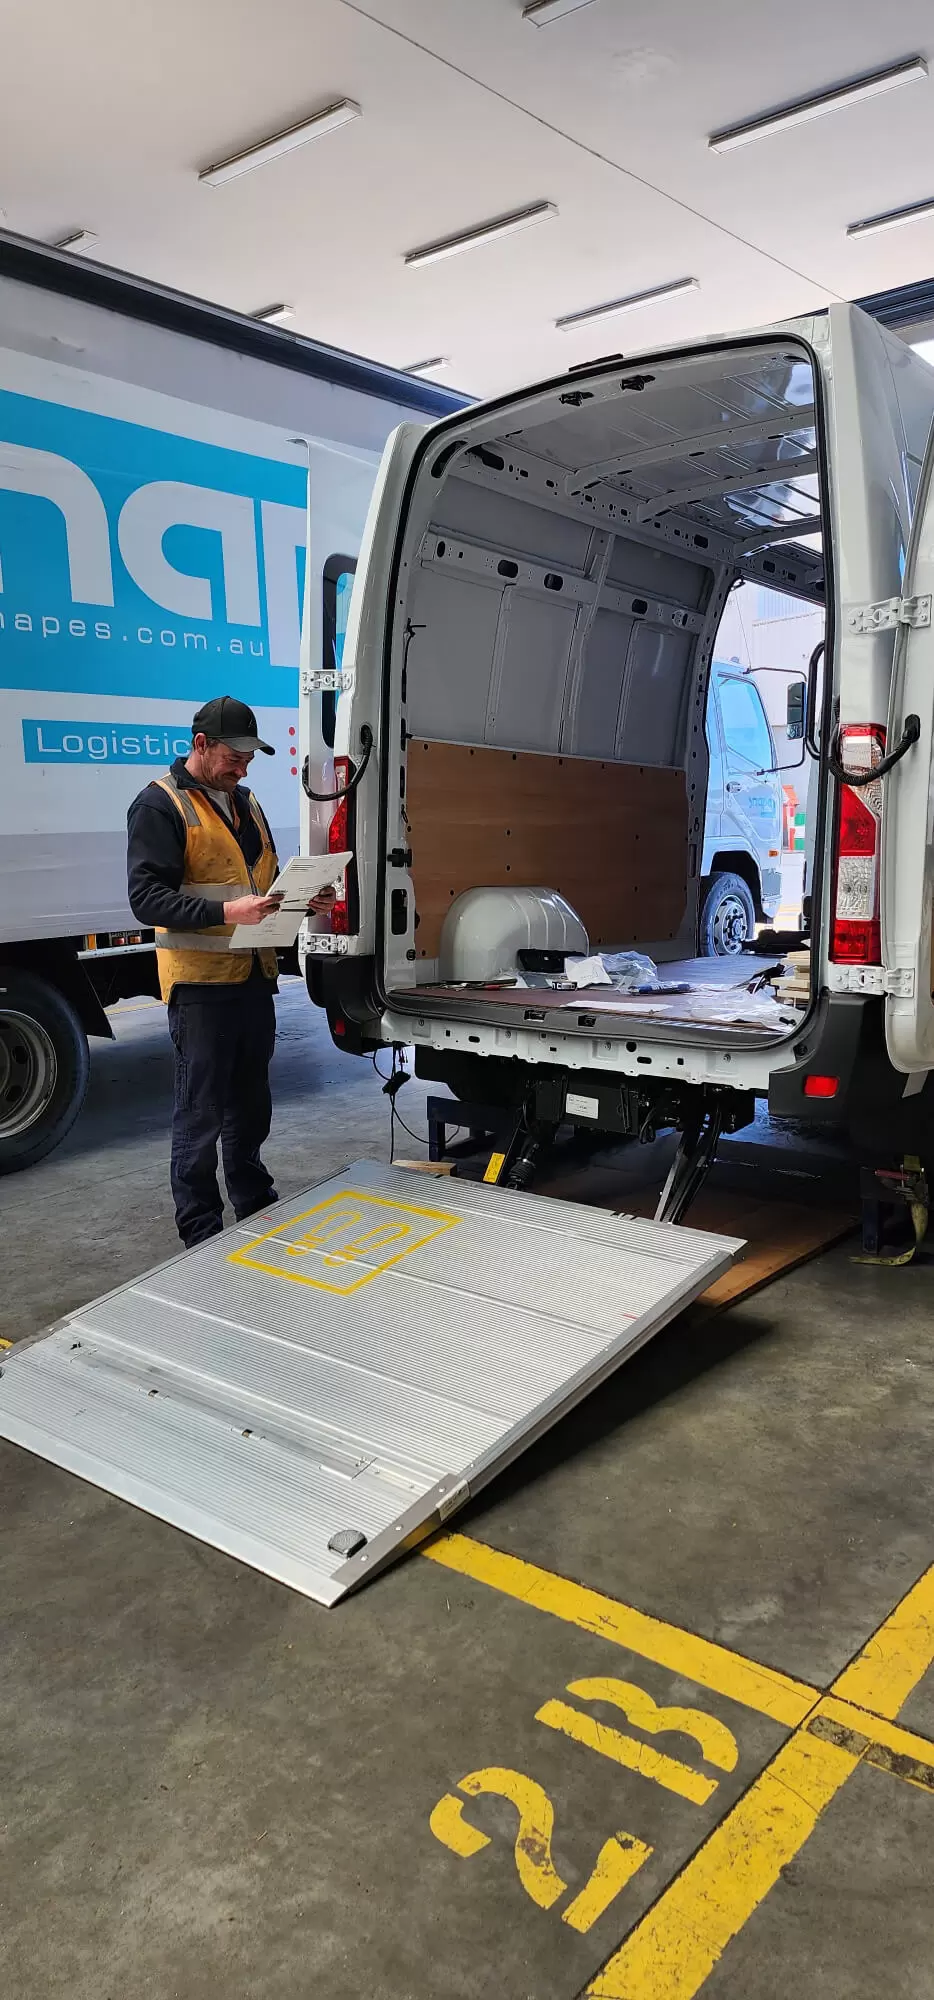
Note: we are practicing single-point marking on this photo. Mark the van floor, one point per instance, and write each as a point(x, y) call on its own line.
point(699, 1012)
point(214, 1789)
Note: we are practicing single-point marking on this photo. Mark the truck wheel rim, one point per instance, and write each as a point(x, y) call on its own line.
point(730, 927)
point(28, 1072)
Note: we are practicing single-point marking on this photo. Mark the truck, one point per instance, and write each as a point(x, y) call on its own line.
point(521, 761)
point(741, 871)
point(162, 462)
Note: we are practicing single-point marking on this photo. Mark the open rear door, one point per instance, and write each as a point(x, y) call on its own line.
point(908, 810)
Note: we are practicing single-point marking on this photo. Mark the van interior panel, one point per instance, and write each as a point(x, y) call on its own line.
point(611, 838)
point(567, 564)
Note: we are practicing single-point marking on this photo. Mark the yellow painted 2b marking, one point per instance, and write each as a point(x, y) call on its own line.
point(349, 1239)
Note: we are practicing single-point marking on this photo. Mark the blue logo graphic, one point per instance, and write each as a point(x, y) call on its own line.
point(103, 742)
point(137, 563)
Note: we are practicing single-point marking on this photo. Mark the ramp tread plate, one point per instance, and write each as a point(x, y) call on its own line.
point(350, 1360)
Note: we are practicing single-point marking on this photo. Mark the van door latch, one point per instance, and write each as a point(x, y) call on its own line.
point(889, 612)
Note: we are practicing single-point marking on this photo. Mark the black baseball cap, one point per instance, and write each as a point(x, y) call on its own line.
point(229, 721)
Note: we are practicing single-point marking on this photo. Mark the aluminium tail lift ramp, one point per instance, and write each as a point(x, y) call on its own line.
point(316, 1390)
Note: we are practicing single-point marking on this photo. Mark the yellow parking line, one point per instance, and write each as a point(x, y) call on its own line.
point(701, 1660)
point(6, 1343)
point(670, 1954)
point(675, 1948)
point(893, 1661)
point(881, 1743)
point(136, 1007)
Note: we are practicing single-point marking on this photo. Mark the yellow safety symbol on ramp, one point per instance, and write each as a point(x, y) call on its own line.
point(347, 1241)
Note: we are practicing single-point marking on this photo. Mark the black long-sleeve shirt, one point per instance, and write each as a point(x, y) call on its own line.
point(156, 837)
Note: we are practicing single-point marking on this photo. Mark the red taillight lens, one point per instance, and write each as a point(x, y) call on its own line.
point(821, 1086)
point(856, 937)
point(339, 841)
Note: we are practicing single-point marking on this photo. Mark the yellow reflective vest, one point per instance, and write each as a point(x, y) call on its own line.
point(215, 866)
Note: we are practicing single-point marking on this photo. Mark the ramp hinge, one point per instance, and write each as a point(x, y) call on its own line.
point(326, 681)
point(889, 612)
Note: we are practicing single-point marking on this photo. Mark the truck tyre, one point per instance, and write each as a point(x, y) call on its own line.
point(728, 917)
point(44, 1067)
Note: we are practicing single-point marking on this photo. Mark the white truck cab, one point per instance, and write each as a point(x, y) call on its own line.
point(523, 694)
point(741, 867)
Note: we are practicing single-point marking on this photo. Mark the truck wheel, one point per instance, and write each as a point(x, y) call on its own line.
point(44, 1067)
point(728, 917)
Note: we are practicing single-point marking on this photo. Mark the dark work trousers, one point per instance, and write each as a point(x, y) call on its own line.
point(223, 1047)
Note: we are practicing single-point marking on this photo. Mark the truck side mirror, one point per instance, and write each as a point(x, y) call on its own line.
point(795, 710)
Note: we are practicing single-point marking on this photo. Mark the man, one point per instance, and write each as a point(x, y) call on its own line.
point(200, 860)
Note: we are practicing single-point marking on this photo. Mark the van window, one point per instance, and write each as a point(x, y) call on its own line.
point(745, 730)
point(338, 583)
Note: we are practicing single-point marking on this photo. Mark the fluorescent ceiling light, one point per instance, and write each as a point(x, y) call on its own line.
point(281, 142)
point(275, 315)
point(469, 239)
point(77, 240)
point(630, 304)
point(806, 108)
point(540, 12)
point(894, 218)
point(432, 367)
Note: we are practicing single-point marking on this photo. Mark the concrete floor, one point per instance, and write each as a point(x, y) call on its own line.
point(211, 1789)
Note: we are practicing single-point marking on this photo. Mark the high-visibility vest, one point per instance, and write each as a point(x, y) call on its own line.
point(215, 866)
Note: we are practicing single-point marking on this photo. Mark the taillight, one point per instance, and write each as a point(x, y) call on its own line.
point(856, 936)
point(340, 838)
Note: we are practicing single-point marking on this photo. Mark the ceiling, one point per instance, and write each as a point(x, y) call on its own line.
point(469, 112)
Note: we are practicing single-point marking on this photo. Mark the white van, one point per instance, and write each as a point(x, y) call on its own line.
point(521, 728)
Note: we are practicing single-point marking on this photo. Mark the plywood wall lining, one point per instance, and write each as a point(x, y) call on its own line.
point(611, 838)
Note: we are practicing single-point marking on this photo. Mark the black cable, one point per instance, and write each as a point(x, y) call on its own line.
point(909, 736)
point(396, 1116)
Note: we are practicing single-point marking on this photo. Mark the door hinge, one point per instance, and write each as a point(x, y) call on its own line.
point(326, 681)
point(889, 612)
point(872, 979)
point(400, 857)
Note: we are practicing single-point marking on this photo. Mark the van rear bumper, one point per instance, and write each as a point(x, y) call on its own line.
point(847, 1042)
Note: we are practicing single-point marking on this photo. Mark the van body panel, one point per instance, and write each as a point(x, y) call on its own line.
point(908, 807)
point(473, 552)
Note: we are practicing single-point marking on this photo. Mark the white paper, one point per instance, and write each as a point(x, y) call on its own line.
point(302, 878)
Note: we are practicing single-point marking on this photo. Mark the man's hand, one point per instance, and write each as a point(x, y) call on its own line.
point(251, 909)
point(320, 904)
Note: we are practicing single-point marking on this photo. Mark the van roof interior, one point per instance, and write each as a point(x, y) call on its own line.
point(570, 557)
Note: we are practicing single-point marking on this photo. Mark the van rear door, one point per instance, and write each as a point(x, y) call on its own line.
point(908, 807)
point(358, 714)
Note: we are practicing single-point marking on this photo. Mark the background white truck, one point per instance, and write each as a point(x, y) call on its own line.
point(154, 512)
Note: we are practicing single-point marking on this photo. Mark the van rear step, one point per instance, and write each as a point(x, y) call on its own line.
point(316, 1390)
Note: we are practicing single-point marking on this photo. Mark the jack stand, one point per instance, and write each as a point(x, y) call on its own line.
point(691, 1164)
point(890, 1238)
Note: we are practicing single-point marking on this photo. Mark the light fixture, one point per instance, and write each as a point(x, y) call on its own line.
point(486, 232)
point(540, 12)
point(77, 240)
point(432, 367)
point(894, 218)
point(806, 108)
point(275, 315)
point(315, 127)
point(569, 321)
